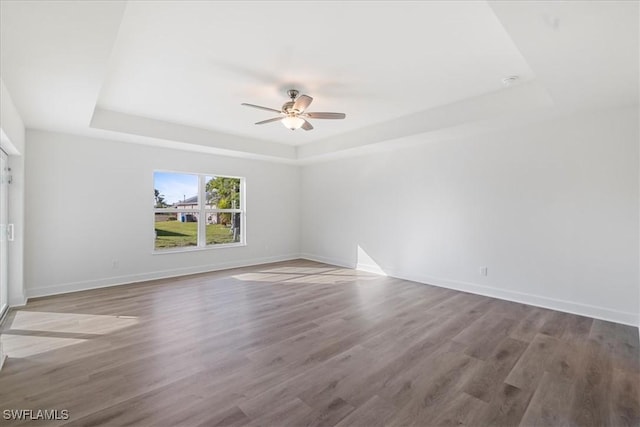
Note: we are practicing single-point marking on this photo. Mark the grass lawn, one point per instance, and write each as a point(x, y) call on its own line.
point(176, 234)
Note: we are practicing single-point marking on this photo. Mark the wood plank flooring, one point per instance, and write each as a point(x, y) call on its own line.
point(306, 344)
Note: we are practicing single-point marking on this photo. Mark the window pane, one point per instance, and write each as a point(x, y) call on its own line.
point(223, 227)
point(178, 190)
point(176, 230)
point(223, 192)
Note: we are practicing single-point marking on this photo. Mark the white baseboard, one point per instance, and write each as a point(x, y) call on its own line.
point(18, 301)
point(371, 269)
point(326, 260)
point(164, 274)
point(595, 312)
point(3, 357)
point(602, 313)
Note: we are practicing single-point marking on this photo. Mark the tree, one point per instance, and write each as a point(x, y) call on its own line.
point(224, 192)
point(160, 203)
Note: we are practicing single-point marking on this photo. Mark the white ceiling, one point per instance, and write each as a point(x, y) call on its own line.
point(194, 62)
point(174, 73)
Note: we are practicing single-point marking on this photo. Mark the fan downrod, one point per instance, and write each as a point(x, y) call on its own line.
point(293, 94)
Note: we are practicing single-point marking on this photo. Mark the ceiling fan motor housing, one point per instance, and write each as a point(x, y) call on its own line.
point(287, 107)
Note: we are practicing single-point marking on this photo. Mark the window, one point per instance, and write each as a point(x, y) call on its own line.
point(197, 211)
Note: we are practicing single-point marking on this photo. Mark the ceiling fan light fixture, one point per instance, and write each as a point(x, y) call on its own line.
point(292, 122)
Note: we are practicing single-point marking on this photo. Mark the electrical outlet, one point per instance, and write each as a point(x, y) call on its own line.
point(484, 271)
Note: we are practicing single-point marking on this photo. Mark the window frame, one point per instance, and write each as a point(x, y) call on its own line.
point(202, 210)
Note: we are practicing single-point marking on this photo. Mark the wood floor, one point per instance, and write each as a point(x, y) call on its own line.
point(307, 344)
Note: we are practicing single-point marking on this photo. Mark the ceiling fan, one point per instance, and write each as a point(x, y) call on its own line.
point(292, 113)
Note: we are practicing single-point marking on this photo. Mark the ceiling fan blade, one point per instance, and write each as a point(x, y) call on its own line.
point(275, 119)
point(261, 108)
point(306, 125)
point(302, 103)
point(326, 115)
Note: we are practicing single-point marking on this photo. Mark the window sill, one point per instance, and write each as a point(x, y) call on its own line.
point(196, 249)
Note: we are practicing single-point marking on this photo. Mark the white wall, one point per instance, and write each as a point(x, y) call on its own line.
point(551, 209)
point(11, 122)
point(89, 203)
point(13, 142)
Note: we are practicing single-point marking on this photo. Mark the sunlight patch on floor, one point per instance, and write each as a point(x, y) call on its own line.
point(318, 275)
point(299, 270)
point(16, 346)
point(70, 322)
point(264, 277)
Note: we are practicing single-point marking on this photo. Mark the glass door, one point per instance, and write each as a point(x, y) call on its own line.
point(4, 227)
